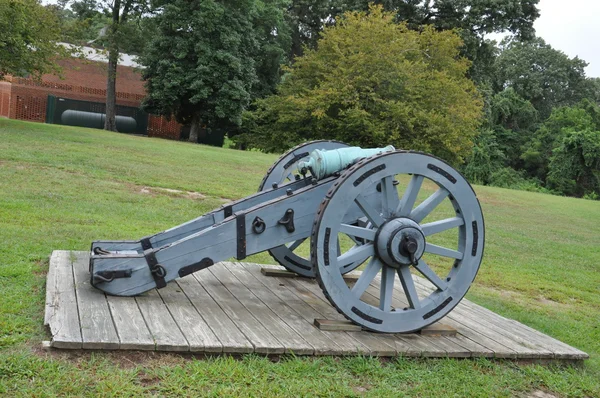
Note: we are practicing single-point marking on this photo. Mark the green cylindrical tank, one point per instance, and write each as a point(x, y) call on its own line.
point(125, 124)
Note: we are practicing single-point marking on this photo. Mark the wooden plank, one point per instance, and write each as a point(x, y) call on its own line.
point(97, 328)
point(130, 324)
point(320, 343)
point(378, 344)
point(64, 325)
point(425, 347)
point(483, 345)
point(336, 325)
point(562, 350)
point(558, 348)
point(231, 339)
point(430, 346)
point(254, 330)
point(278, 272)
point(57, 257)
point(517, 332)
point(292, 341)
point(438, 329)
point(161, 324)
point(477, 350)
point(346, 344)
point(460, 316)
point(186, 316)
point(198, 334)
point(498, 350)
point(523, 347)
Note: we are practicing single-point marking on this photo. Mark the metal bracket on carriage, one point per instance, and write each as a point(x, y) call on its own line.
point(109, 276)
point(288, 221)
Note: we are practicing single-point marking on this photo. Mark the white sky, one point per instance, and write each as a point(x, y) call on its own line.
point(572, 26)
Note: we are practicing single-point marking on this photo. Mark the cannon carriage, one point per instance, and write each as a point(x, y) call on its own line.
point(371, 210)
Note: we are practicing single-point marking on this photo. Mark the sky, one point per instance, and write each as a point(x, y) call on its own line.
point(573, 27)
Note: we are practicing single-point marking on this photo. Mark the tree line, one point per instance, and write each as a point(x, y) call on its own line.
point(420, 75)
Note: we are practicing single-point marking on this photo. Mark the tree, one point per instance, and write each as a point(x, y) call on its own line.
point(372, 82)
point(473, 18)
point(574, 168)
point(120, 12)
point(114, 26)
point(542, 75)
point(514, 120)
point(307, 18)
point(485, 159)
point(584, 116)
point(203, 66)
point(29, 39)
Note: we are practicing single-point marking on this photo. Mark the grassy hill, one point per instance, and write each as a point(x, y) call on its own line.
point(62, 187)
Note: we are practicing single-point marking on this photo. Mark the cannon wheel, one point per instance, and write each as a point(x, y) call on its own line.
point(398, 242)
point(282, 172)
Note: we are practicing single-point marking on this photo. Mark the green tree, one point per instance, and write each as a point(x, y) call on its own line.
point(574, 167)
point(485, 159)
point(307, 18)
point(373, 82)
point(514, 120)
point(114, 26)
point(210, 57)
point(473, 18)
point(29, 36)
point(120, 11)
point(542, 75)
point(563, 120)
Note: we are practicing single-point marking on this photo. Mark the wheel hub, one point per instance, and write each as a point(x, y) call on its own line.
point(400, 242)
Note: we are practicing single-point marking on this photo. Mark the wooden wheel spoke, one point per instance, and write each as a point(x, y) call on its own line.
point(387, 288)
point(356, 255)
point(410, 196)
point(390, 196)
point(428, 273)
point(369, 211)
point(358, 232)
point(408, 284)
point(443, 251)
point(428, 205)
point(367, 276)
point(442, 225)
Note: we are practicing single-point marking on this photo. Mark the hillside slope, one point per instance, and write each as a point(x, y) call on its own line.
point(62, 187)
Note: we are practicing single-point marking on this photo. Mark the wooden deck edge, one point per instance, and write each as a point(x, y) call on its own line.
point(557, 351)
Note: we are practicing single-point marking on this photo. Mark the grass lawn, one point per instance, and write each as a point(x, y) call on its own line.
point(62, 187)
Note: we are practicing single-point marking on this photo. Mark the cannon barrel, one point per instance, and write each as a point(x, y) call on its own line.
point(325, 163)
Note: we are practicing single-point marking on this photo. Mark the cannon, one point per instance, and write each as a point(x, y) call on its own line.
point(402, 218)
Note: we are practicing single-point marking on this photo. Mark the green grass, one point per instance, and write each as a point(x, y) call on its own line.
point(62, 187)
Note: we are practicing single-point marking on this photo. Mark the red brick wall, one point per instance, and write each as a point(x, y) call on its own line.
point(82, 80)
point(92, 76)
point(4, 98)
point(159, 126)
point(29, 99)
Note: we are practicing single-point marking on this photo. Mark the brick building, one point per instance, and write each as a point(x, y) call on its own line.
point(83, 80)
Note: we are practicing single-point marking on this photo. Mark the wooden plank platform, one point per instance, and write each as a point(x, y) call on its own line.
point(236, 308)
